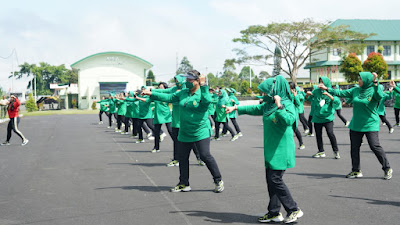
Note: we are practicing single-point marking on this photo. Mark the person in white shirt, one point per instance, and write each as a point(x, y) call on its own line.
point(3, 103)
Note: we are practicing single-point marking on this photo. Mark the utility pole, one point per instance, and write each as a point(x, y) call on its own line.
point(34, 76)
point(250, 75)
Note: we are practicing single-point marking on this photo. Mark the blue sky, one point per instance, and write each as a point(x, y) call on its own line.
point(63, 32)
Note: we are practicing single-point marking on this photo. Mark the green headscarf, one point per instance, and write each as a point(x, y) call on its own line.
point(222, 98)
point(326, 82)
point(367, 89)
point(275, 86)
point(180, 81)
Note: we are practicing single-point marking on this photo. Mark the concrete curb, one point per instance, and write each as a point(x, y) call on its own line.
point(8, 119)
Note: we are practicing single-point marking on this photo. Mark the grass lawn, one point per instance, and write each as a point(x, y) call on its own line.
point(58, 112)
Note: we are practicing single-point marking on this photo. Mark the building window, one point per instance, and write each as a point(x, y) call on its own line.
point(93, 97)
point(387, 50)
point(337, 51)
point(389, 75)
point(370, 48)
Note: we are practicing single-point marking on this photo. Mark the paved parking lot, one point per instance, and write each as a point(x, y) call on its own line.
point(74, 171)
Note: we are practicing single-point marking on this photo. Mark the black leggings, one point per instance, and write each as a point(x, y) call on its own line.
point(310, 127)
point(373, 141)
point(211, 120)
point(174, 136)
point(226, 126)
point(126, 122)
point(109, 115)
point(149, 123)
point(339, 113)
point(203, 147)
point(157, 132)
point(235, 124)
point(384, 120)
point(299, 137)
point(396, 114)
point(120, 118)
point(329, 130)
point(303, 121)
point(13, 126)
point(101, 115)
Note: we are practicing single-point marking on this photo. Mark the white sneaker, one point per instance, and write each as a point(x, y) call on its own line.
point(307, 131)
point(162, 136)
point(347, 124)
point(391, 130)
point(151, 138)
point(240, 134)
point(293, 216)
point(302, 147)
point(149, 135)
point(25, 142)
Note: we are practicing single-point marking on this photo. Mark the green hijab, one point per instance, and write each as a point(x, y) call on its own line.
point(275, 86)
point(222, 98)
point(367, 89)
point(326, 82)
point(180, 81)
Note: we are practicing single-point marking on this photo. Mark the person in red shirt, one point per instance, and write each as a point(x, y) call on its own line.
point(13, 107)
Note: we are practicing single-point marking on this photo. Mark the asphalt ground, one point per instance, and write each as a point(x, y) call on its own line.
point(74, 171)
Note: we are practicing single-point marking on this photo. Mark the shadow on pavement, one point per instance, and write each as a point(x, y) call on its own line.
point(141, 164)
point(222, 217)
point(371, 201)
point(139, 188)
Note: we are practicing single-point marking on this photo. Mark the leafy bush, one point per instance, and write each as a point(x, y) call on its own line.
point(351, 67)
point(94, 105)
point(376, 63)
point(74, 103)
point(31, 104)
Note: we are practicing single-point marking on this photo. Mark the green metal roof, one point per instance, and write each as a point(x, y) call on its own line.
point(322, 64)
point(385, 30)
point(118, 53)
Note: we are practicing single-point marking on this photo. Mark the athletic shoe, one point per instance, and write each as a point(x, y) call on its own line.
point(6, 143)
point(117, 131)
point(25, 142)
point(293, 216)
point(268, 218)
point(155, 150)
point(383, 124)
point(149, 135)
point(151, 138)
point(337, 156)
point(109, 127)
point(123, 132)
point(354, 174)
point(101, 122)
point(319, 155)
point(173, 163)
point(397, 124)
point(388, 174)
point(140, 141)
point(302, 147)
point(220, 130)
point(306, 132)
point(219, 187)
point(181, 187)
point(391, 130)
point(234, 138)
point(224, 135)
point(240, 134)
point(347, 123)
point(217, 139)
point(201, 163)
point(213, 127)
point(162, 136)
point(310, 135)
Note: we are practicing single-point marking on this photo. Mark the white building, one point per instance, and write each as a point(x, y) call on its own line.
point(326, 62)
point(102, 73)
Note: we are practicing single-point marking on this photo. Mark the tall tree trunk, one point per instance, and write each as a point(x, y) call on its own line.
point(293, 75)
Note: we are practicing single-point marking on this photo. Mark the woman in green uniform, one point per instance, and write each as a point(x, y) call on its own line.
point(112, 109)
point(279, 119)
point(387, 95)
point(339, 110)
point(211, 107)
point(365, 121)
point(297, 100)
point(323, 116)
point(221, 116)
point(396, 106)
point(145, 114)
point(232, 116)
point(162, 115)
point(121, 104)
point(195, 130)
point(310, 115)
point(103, 108)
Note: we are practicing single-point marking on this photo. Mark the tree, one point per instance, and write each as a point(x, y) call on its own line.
point(212, 80)
point(245, 73)
point(376, 63)
point(150, 78)
point(296, 40)
point(184, 66)
point(244, 86)
point(30, 105)
point(263, 75)
point(351, 67)
point(234, 85)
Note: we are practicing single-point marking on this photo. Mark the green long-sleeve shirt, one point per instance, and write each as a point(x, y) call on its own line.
point(121, 107)
point(194, 124)
point(232, 103)
point(381, 107)
point(279, 146)
point(365, 108)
